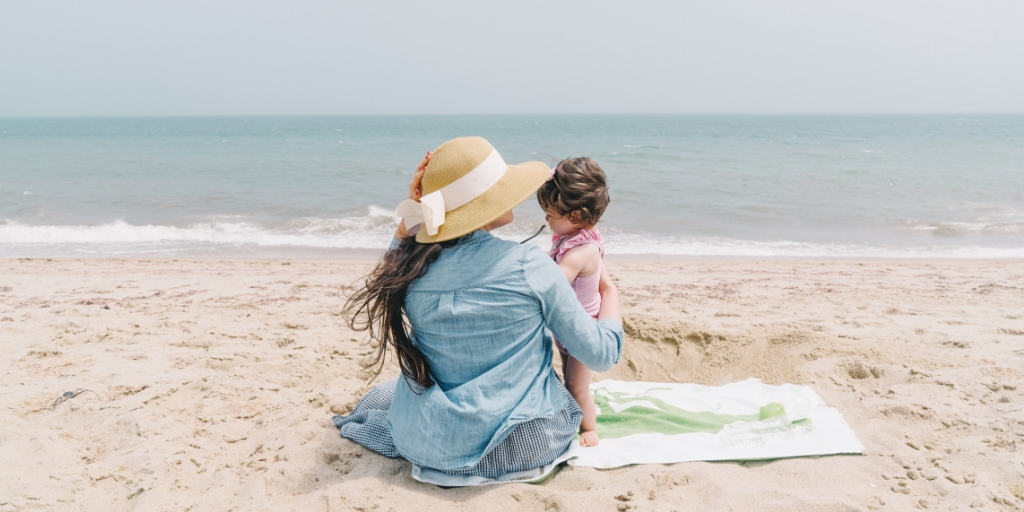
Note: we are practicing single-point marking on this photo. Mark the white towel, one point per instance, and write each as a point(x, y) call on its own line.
point(658, 423)
point(662, 422)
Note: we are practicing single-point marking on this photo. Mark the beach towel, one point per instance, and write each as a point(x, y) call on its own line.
point(659, 423)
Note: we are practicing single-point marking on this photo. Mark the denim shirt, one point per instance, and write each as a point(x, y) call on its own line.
point(479, 316)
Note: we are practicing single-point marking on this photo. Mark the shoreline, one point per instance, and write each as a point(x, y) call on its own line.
point(372, 255)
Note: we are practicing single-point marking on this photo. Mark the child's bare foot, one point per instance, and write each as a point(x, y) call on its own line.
point(588, 438)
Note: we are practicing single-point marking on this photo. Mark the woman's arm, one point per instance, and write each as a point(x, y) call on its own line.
point(415, 191)
point(598, 345)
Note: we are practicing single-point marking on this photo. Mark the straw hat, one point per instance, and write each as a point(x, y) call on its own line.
point(466, 185)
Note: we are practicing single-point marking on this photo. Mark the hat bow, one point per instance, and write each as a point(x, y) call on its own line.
point(431, 208)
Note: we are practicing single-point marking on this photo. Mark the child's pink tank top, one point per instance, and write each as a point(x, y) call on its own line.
point(586, 287)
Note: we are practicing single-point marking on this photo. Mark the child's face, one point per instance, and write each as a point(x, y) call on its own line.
point(560, 224)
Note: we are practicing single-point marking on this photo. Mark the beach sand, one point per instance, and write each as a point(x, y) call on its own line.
point(211, 384)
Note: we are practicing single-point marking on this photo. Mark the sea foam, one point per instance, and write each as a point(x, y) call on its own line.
point(373, 231)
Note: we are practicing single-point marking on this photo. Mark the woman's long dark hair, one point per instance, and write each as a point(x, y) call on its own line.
point(378, 307)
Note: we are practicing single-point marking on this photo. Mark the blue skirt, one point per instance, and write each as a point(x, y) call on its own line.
point(532, 444)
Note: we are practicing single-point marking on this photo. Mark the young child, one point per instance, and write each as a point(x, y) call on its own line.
point(573, 200)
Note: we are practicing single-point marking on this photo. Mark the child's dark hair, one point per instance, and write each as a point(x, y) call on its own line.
point(577, 190)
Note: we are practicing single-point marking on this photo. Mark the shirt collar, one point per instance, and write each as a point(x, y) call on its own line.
point(476, 237)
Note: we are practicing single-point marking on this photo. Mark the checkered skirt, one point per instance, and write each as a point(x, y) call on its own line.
point(531, 444)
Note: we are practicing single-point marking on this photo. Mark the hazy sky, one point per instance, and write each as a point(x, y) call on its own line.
point(185, 57)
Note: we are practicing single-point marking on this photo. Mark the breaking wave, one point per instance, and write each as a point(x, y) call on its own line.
point(373, 229)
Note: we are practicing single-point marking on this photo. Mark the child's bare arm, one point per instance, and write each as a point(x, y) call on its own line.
point(580, 261)
point(609, 298)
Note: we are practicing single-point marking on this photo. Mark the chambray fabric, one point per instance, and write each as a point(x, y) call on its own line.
point(481, 315)
point(529, 447)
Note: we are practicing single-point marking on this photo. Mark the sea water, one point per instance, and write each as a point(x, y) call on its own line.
point(885, 186)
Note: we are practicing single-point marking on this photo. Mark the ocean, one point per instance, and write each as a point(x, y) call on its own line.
point(848, 186)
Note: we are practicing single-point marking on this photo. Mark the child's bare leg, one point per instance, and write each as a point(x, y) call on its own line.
point(577, 380)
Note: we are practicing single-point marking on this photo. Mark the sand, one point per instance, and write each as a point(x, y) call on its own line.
point(211, 383)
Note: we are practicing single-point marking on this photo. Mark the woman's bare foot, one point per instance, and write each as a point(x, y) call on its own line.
point(588, 438)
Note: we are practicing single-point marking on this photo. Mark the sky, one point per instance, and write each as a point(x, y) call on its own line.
point(301, 57)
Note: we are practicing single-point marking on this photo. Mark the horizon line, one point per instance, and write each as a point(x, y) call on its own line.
point(516, 114)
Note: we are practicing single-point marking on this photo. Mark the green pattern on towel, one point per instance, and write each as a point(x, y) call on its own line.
point(665, 418)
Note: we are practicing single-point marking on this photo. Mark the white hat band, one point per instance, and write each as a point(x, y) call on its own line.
point(430, 209)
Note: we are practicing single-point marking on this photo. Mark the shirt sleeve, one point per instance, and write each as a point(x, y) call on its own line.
point(596, 344)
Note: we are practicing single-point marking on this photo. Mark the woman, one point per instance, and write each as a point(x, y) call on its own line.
point(466, 314)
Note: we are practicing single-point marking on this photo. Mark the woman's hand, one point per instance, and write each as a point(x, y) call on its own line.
point(415, 192)
point(609, 297)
